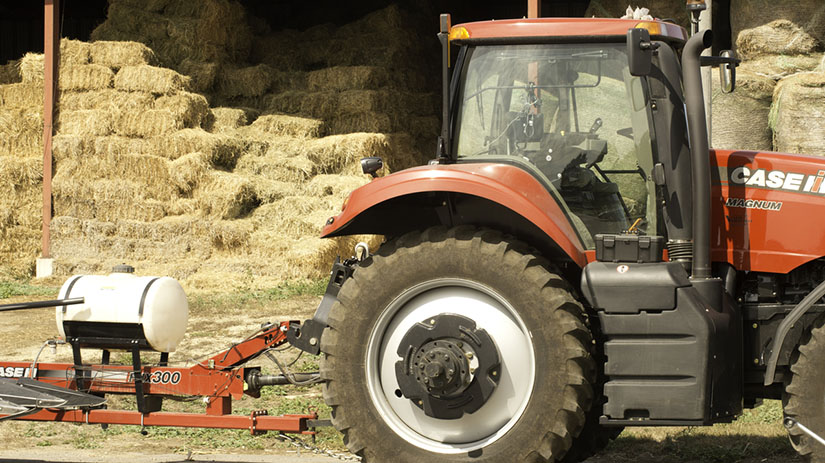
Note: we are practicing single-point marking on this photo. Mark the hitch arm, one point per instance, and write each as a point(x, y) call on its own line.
point(307, 335)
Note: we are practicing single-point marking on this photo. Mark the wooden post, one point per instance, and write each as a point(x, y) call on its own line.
point(533, 8)
point(51, 50)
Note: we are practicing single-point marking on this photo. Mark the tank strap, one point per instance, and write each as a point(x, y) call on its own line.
point(143, 297)
point(69, 290)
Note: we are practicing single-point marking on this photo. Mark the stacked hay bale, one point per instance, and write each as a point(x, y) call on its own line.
point(21, 164)
point(781, 44)
point(232, 195)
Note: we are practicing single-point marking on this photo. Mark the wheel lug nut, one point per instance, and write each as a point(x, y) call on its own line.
point(469, 355)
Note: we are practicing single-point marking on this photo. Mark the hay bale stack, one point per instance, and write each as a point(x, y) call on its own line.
point(146, 172)
point(796, 117)
point(203, 31)
point(779, 37)
point(741, 118)
point(808, 15)
point(21, 168)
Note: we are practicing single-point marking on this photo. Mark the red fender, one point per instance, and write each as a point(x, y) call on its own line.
point(506, 185)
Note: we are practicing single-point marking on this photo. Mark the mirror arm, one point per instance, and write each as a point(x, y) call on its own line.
point(719, 60)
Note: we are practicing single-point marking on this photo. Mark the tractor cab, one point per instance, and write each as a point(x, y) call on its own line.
point(572, 115)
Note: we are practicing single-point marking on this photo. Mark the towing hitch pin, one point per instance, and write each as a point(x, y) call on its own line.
point(790, 423)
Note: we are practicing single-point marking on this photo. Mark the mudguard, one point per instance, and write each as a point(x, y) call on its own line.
point(505, 185)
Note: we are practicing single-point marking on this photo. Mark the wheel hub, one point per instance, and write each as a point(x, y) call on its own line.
point(444, 369)
point(449, 367)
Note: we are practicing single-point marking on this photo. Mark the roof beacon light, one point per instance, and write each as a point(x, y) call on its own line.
point(696, 5)
point(654, 28)
point(459, 33)
point(695, 8)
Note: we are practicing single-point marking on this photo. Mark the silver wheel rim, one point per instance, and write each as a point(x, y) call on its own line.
point(492, 313)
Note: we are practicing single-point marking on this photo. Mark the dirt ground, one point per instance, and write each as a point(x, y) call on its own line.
point(757, 437)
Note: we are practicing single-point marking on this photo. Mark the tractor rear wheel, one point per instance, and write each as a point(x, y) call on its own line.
point(804, 398)
point(457, 345)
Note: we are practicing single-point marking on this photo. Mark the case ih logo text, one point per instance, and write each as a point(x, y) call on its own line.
point(16, 372)
point(779, 180)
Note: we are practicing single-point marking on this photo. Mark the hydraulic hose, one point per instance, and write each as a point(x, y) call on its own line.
point(699, 150)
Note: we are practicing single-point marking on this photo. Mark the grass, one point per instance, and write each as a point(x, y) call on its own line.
point(13, 288)
point(217, 301)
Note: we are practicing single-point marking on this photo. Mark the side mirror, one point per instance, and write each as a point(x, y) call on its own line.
point(639, 51)
point(727, 71)
point(371, 165)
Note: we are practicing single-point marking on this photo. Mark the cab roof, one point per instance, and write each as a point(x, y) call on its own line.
point(541, 29)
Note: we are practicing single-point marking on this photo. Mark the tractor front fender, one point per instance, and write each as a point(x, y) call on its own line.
point(485, 194)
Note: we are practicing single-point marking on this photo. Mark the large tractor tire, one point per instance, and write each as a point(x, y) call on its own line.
point(455, 345)
point(804, 398)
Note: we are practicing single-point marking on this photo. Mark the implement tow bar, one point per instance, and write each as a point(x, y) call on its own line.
point(790, 423)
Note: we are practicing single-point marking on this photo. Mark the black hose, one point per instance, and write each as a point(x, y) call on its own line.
point(699, 150)
point(41, 304)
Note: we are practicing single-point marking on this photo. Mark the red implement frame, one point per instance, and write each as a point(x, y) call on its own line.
point(218, 380)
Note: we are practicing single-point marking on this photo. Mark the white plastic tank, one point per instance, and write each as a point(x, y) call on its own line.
point(157, 303)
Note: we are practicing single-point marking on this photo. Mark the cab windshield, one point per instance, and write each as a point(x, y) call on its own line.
point(574, 116)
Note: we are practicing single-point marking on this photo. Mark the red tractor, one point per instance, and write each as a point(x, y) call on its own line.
point(575, 260)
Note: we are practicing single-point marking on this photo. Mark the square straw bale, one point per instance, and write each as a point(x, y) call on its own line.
point(66, 146)
point(269, 191)
point(75, 189)
point(190, 108)
point(230, 234)
point(228, 119)
point(22, 95)
point(115, 55)
point(226, 196)
point(155, 80)
point(283, 81)
point(10, 73)
point(150, 123)
point(189, 170)
point(86, 122)
point(117, 145)
point(109, 99)
point(21, 121)
point(284, 125)
point(150, 173)
point(338, 187)
point(74, 52)
point(362, 122)
point(322, 105)
point(348, 78)
point(203, 74)
point(22, 146)
point(276, 165)
point(19, 247)
point(221, 150)
point(32, 67)
point(17, 173)
point(332, 153)
point(247, 82)
point(85, 77)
